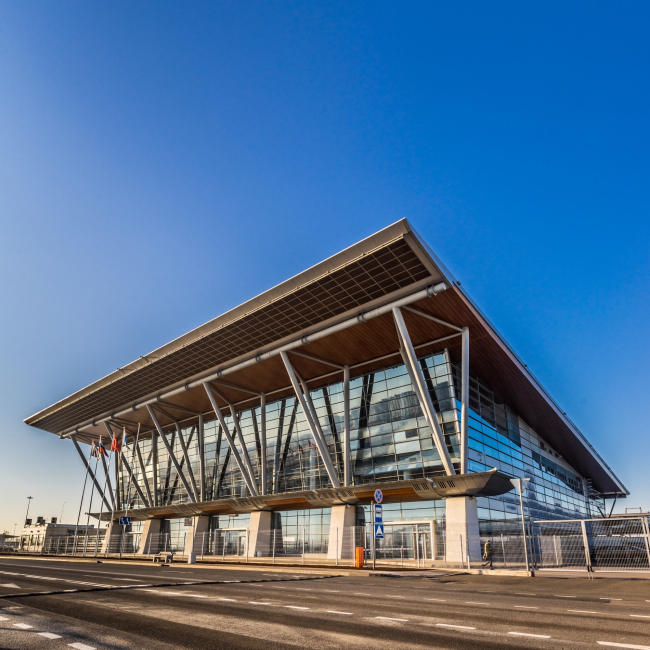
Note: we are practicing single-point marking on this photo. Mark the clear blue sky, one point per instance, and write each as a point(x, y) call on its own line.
point(161, 162)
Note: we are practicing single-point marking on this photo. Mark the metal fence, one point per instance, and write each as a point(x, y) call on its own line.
point(592, 545)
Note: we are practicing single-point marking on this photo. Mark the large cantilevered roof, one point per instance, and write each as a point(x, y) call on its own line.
point(390, 265)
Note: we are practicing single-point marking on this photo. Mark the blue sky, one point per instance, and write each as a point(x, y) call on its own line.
point(161, 162)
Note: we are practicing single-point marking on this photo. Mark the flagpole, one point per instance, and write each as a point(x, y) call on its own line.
point(128, 489)
point(90, 505)
point(101, 510)
point(81, 503)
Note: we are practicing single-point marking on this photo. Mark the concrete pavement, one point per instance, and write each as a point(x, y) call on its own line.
point(126, 606)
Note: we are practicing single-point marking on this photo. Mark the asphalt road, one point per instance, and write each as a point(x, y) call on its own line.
point(52, 604)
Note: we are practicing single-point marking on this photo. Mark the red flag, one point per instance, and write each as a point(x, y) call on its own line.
point(114, 446)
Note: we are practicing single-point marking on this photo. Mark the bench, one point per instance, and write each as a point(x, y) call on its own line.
point(166, 557)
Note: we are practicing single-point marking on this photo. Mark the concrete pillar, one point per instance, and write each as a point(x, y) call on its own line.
point(462, 533)
point(196, 538)
point(260, 534)
point(150, 538)
point(112, 538)
point(341, 539)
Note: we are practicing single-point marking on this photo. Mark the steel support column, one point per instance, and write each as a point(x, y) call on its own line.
point(154, 462)
point(90, 471)
point(312, 409)
point(464, 413)
point(201, 458)
point(250, 483)
point(106, 474)
point(144, 475)
point(320, 443)
point(170, 451)
point(422, 392)
point(117, 468)
point(135, 483)
point(263, 441)
point(240, 436)
point(187, 461)
point(346, 428)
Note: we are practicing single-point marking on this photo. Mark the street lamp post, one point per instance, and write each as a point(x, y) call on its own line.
point(520, 486)
point(29, 500)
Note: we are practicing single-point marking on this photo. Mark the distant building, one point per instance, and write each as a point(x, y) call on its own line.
point(35, 537)
point(8, 542)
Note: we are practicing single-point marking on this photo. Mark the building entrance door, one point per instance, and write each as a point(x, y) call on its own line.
point(230, 541)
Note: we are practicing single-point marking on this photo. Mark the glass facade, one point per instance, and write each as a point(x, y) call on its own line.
point(390, 440)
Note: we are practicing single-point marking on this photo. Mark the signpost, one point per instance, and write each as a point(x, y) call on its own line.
point(377, 522)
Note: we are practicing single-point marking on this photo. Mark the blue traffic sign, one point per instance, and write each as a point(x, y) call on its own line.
point(378, 515)
point(379, 496)
point(125, 521)
point(379, 531)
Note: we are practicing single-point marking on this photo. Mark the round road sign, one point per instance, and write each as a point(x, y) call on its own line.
point(379, 496)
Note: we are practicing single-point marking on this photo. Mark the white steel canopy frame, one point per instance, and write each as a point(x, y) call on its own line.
point(312, 420)
point(422, 392)
point(248, 479)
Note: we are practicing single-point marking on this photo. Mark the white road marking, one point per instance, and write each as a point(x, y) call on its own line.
point(639, 616)
point(128, 579)
point(438, 600)
point(255, 602)
point(230, 600)
point(196, 596)
point(81, 646)
point(560, 596)
point(49, 635)
point(302, 589)
point(395, 596)
point(4, 618)
point(10, 585)
point(524, 593)
point(332, 591)
point(605, 598)
point(525, 607)
point(360, 593)
point(469, 602)
point(387, 618)
point(23, 626)
point(537, 636)
point(295, 607)
point(333, 611)
point(458, 627)
point(624, 645)
point(581, 611)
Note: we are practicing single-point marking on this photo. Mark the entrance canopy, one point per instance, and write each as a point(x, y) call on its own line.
point(334, 315)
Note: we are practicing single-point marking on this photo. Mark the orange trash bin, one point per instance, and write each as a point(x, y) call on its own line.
point(359, 554)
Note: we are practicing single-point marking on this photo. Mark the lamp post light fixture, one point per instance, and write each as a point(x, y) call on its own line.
point(29, 500)
point(520, 485)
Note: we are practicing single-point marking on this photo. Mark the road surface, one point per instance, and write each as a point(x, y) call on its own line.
point(52, 605)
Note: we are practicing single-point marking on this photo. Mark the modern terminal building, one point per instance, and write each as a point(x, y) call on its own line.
point(373, 369)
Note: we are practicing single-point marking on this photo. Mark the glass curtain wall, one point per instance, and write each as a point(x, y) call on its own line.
point(390, 440)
